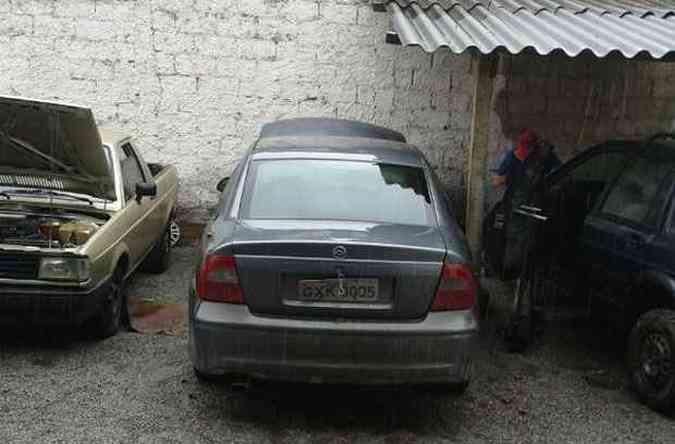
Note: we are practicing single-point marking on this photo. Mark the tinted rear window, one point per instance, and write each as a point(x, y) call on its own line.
point(337, 190)
point(637, 190)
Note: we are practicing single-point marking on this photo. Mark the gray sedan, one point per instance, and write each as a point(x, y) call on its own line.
point(333, 257)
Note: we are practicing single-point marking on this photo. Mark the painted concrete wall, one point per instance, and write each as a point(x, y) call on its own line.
point(195, 79)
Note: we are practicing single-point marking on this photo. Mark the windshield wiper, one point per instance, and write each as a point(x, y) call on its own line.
point(25, 146)
point(48, 193)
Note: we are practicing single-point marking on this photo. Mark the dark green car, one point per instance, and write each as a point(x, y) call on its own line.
point(603, 232)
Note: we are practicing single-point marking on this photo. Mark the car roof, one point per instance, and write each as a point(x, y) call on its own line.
point(342, 148)
point(661, 146)
point(657, 147)
point(307, 126)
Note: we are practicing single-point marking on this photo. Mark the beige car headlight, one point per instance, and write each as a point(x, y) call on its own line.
point(64, 269)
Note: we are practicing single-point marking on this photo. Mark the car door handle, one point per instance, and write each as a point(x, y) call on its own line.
point(530, 208)
point(531, 212)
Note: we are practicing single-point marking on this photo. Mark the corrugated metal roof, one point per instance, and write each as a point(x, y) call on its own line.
point(628, 27)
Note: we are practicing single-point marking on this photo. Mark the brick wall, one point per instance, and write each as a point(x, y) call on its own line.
point(579, 102)
point(195, 79)
point(576, 103)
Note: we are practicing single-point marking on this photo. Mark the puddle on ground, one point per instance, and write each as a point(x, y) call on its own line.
point(152, 316)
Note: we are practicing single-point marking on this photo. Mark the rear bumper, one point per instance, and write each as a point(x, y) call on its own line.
point(50, 305)
point(227, 338)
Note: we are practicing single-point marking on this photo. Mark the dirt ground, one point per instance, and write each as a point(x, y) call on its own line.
point(56, 386)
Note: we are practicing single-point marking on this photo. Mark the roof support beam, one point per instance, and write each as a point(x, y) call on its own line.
point(484, 71)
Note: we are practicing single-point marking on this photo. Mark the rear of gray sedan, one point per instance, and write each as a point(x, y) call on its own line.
point(334, 259)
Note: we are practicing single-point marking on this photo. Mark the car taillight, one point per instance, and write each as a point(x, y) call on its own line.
point(456, 290)
point(217, 280)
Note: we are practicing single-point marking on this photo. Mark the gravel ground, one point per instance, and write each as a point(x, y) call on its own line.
point(56, 386)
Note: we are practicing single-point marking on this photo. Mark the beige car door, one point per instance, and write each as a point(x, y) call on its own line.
point(142, 232)
point(161, 202)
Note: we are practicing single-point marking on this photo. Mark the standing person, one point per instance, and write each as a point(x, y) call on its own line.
point(523, 165)
point(520, 169)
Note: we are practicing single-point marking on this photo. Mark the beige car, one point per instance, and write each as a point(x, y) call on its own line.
point(80, 210)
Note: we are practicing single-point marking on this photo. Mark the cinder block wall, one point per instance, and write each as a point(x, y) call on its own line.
point(195, 79)
point(578, 102)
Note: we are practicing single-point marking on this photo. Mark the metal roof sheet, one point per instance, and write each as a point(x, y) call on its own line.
point(628, 27)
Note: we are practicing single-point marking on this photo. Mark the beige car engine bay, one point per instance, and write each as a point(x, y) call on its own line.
point(47, 227)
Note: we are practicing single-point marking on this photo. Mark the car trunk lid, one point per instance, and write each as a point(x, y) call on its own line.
point(338, 269)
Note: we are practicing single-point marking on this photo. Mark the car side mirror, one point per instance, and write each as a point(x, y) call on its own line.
point(145, 189)
point(222, 184)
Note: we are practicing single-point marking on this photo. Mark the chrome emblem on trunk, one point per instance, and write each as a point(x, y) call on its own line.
point(339, 252)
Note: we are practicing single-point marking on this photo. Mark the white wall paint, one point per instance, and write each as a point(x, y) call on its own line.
point(195, 79)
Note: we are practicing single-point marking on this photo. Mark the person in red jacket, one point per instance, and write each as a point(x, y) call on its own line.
point(520, 169)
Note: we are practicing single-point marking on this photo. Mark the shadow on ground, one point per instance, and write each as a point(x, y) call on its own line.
point(565, 363)
point(43, 347)
point(327, 412)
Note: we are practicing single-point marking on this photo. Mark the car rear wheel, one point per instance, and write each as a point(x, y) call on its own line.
point(221, 379)
point(205, 377)
point(457, 388)
point(114, 313)
point(651, 359)
point(159, 258)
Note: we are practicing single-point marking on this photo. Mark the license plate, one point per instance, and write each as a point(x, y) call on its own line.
point(338, 290)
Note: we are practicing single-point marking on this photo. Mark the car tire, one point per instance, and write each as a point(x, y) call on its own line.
point(444, 389)
point(651, 359)
point(205, 377)
point(518, 335)
point(160, 256)
point(221, 379)
point(455, 388)
point(483, 302)
point(114, 311)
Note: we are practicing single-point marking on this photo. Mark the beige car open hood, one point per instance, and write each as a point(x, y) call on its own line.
point(51, 140)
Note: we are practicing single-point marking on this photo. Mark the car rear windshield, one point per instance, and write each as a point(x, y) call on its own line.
point(337, 190)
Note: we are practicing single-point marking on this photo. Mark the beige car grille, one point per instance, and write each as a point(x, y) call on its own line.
point(32, 181)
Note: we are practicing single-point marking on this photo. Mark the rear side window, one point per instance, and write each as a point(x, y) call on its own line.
point(599, 168)
point(132, 173)
point(337, 190)
point(635, 192)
